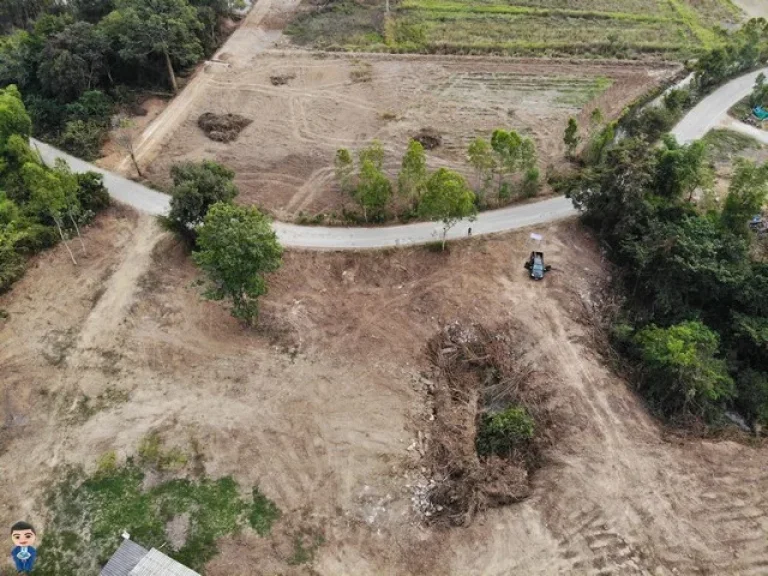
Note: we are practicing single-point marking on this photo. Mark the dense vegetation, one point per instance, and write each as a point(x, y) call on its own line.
point(694, 321)
point(88, 513)
point(617, 28)
point(76, 61)
point(39, 205)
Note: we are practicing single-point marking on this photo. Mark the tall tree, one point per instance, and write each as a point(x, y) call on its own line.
point(413, 173)
point(447, 198)
point(683, 169)
point(482, 159)
point(166, 28)
point(343, 169)
point(236, 247)
point(571, 138)
point(374, 190)
point(374, 153)
point(73, 61)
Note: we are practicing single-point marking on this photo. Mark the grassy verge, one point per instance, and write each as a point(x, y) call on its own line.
point(724, 145)
point(89, 513)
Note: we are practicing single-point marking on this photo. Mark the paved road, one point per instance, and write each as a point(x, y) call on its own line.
point(736, 126)
point(327, 238)
point(708, 113)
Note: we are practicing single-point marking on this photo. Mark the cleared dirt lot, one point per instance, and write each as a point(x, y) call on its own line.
point(284, 159)
point(321, 405)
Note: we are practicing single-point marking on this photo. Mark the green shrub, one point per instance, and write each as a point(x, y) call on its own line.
point(11, 267)
point(682, 375)
point(531, 183)
point(83, 139)
point(34, 238)
point(753, 396)
point(504, 431)
point(91, 191)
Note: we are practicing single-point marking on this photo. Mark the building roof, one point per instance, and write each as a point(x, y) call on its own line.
point(124, 559)
point(134, 560)
point(155, 563)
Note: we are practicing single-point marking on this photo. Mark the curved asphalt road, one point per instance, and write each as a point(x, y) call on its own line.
point(707, 114)
point(336, 238)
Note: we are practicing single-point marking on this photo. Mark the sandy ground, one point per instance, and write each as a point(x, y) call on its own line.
point(320, 405)
point(284, 159)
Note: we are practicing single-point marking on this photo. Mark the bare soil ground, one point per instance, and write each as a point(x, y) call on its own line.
point(753, 8)
point(325, 404)
point(284, 159)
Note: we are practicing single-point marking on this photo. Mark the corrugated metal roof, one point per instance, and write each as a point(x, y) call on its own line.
point(124, 559)
point(155, 563)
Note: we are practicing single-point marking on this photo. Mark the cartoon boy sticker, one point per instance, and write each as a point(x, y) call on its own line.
point(23, 553)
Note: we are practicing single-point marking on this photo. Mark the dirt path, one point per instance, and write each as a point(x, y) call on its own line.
point(253, 36)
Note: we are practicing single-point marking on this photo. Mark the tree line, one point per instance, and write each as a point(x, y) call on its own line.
point(39, 205)
point(694, 324)
point(76, 61)
point(443, 195)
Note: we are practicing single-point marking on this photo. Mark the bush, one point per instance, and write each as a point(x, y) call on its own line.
point(505, 431)
point(682, 375)
point(83, 139)
point(92, 106)
point(11, 267)
point(91, 191)
point(651, 123)
point(531, 183)
point(34, 238)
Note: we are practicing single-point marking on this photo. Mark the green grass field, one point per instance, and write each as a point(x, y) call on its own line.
point(611, 28)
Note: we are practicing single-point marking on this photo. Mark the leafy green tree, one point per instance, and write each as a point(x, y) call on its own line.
point(683, 169)
point(19, 56)
point(374, 189)
point(413, 173)
point(14, 119)
point(344, 167)
point(73, 61)
point(373, 154)
point(481, 158)
point(91, 10)
point(196, 187)
point(683, 375)
point(595, 118)
point(447, 198)
point(531, 182)
point(236, 247)
point(53, 194)
point(571, 138)
point(599, 143)
point(513, 154)
point(753, 396)
point(166, 28)
point(746, 196)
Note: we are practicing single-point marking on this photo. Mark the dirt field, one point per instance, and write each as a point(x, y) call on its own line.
point(284, 159)
point(323, 405)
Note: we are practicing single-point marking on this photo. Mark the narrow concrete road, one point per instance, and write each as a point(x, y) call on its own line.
point(752, 131)
point(708, 113)
point(336, 238)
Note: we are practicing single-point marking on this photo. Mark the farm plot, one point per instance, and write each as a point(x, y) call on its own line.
point(304, 108)
point(620, 28)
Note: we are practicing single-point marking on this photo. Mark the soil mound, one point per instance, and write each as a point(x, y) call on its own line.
point(222, 127)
